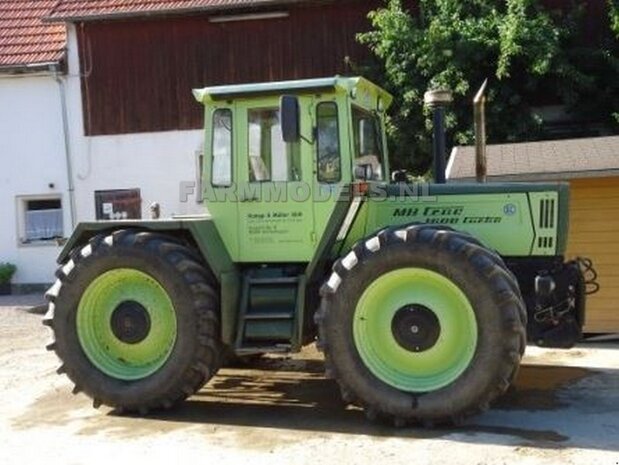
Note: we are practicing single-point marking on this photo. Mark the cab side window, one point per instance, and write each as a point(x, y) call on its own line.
point(270, 158)
point(221, 175)
point(367, 142)
point(328, 143)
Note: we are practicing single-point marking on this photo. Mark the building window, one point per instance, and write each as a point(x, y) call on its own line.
point(118, 204)
point(41, 219)
point(270, 158)
point(328, 143)
point(222, 148)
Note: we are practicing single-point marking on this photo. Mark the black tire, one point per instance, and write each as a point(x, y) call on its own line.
point(195, 356)
point(489, 286)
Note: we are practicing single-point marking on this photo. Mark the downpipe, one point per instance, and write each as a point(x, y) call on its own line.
point(67, 141)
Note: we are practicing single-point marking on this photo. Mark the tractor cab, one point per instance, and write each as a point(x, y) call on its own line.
point(278, 155)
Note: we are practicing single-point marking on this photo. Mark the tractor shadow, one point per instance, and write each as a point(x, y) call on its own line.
point(277, 400)
point(292, 394)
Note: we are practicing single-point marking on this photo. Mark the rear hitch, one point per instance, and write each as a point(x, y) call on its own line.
point(559, 312)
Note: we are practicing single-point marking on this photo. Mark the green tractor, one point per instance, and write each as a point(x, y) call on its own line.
point(422, 297)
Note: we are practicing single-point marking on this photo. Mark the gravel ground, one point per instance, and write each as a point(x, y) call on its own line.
point(564, 409)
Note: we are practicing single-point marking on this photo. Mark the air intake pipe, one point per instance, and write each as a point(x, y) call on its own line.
point(438, 100)
point(479, 108)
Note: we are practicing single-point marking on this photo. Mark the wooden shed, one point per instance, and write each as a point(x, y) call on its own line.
point(142, 57)
point(591, 166)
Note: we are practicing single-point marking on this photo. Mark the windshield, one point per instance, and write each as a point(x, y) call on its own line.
point(368, 142)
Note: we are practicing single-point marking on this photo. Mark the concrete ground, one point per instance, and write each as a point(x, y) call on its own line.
point(564, 409)
point(23, 302)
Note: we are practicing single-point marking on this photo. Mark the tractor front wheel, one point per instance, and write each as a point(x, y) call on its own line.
point(135, 321)
point(422, 325)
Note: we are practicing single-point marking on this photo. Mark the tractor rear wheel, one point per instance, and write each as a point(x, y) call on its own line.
point(421, 325)
point(135, 321)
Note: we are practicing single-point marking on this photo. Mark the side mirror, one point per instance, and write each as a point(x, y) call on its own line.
point(290, 118)
point(363, 172)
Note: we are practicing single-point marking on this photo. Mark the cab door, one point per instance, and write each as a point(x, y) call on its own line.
point(219, 177)
point(276, 218)
point(331, 157)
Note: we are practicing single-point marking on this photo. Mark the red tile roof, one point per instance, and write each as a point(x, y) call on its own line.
point(72, 10)
point(24, 38)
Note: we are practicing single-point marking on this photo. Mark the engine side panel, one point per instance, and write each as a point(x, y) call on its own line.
point(516, 220)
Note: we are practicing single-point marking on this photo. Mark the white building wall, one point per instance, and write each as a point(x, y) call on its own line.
point(32, 163)
point(156, 163)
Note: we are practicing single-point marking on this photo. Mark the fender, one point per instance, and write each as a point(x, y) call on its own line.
point(200, 232)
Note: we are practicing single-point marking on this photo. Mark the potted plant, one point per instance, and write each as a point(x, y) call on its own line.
point(7, 270)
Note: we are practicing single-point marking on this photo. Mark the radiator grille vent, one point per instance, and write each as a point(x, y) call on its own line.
point(547, 214)
point(545, 242)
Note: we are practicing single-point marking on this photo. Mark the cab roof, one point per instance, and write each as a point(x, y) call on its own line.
point(335, 84)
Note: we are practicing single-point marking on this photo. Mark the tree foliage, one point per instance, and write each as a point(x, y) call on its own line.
point(453, 44)
point(614, 16)
point(585, 75)
point(614, 25)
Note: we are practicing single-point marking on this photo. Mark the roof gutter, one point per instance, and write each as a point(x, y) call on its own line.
point(544, 177)
point(19, 69)
point(169, 12)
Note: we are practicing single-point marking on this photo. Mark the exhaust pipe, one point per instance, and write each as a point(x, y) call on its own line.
point(438, 100)
point(479, 106)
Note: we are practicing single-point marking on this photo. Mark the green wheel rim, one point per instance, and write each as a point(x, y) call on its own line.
point(106, 351)
point(403, 369)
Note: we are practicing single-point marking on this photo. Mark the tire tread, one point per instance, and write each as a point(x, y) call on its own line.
point(206, 359)
point(488, 264)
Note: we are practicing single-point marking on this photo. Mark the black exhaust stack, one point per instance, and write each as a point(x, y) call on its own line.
point(438, 100)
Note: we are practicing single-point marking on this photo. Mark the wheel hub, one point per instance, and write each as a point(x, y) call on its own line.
point(130, 322)
point(415, 328)
point(126, 324)
point(400, 341)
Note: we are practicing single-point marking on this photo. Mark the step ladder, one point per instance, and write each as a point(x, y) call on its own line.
point(270, 312)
